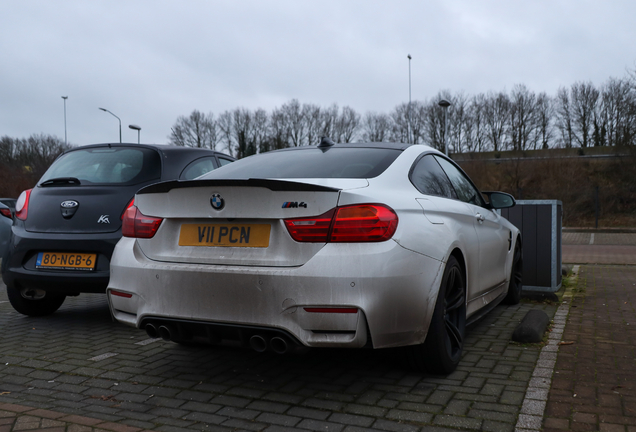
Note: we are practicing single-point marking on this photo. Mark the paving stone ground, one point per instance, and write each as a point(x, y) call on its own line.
point(78, 370)
point(594, 383)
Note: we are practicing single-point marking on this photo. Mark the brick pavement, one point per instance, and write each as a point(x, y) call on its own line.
point(599, 248)
point(77, 370)
point(594, 384)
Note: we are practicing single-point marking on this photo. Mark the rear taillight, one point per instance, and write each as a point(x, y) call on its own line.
point(129, 205)
point(350, 224)
point(136, 224)
point(5, 212)
point(314, 229)
point(22, 205)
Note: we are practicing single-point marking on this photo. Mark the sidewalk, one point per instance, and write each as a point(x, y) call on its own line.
point(599, 248)
point(594, 383)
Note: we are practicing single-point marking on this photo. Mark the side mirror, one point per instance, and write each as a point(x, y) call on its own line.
point(499, 200)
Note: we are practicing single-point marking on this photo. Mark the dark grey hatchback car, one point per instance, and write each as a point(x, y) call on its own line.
point(66, 227)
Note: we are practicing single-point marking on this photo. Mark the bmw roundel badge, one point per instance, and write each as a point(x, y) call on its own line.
point(217, 201)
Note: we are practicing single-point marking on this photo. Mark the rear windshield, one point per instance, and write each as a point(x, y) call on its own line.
point(361, 162)
point(107, 166)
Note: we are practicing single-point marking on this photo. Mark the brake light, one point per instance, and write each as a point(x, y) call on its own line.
point(22, 205)
point(5, 212)
point(314, 229)
point(137, 225)
point(129, 205)
point(350, 224)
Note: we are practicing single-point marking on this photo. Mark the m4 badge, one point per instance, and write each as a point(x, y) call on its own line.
point(294, 204)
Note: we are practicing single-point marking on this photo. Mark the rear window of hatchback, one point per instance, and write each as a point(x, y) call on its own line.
point(107, 166)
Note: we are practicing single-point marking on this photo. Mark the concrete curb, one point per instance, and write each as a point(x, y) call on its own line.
point(534, 403)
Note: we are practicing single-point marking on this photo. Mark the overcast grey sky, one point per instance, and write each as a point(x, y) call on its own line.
point(150, 61)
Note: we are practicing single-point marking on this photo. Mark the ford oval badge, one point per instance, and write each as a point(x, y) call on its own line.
point(68, 208)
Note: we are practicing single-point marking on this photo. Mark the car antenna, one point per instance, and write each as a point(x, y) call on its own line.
point(326, 143)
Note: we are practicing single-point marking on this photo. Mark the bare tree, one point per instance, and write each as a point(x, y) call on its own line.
point(375, 127)
point(523, 121)
point(476, 129)
point(584, 98)
point(197, 130)
point(278, 131)
point(496, 113)
point(409, 123)
point(313, 121)
point(244, 132)
point(564, 117)
point(545, 118)
point(347, 124)
point(296, 122)
point(459, 122)
point(618, 114)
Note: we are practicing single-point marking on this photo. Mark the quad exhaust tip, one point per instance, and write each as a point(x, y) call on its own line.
point(259, 343)
point(166, 332)
point(276, 344)
point(151, 331)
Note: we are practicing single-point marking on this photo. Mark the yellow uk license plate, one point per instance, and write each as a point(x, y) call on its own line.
point(225, 235)
point(66, 261)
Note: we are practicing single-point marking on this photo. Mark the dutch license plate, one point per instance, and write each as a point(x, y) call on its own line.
point(226, 235)
point(66, 261)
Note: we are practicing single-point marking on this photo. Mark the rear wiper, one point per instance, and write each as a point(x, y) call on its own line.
point(61, 181)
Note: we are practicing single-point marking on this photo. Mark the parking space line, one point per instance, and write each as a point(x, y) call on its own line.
point(103, 356)
point(147, 341)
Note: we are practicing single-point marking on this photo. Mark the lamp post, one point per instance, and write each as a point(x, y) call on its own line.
point(445, 104)
point(408, 127)
point(138, 129)
point(105, 110)
point(65, 97)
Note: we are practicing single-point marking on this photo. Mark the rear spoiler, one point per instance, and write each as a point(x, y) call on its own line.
point(274, 185)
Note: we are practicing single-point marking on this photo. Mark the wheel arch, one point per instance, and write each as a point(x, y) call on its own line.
point(459, 256)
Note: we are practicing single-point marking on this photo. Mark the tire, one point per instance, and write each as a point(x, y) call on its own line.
point(42, 303)
point(516, 273)
point(441, 351)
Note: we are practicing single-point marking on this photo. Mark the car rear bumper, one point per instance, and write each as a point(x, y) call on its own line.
point(19, 269)
point(342, 295)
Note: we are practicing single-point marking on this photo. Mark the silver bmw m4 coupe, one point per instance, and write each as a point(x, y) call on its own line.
point(365, 245)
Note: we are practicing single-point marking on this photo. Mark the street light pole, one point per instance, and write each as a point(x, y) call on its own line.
point(105, 110)
point(408, 127)
point(138, 129)
point(445, 104)
point(65, 141)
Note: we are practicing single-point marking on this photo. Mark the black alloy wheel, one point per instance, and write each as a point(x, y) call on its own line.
point(516, 273)
point(441, 351)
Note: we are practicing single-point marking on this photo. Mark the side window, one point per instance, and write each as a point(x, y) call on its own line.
point(463, 187)
point(429, 178)
point(198, 168)
point(224, 161)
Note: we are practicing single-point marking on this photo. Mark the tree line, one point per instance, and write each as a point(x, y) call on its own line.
point(580, 115)
point(24, 160)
